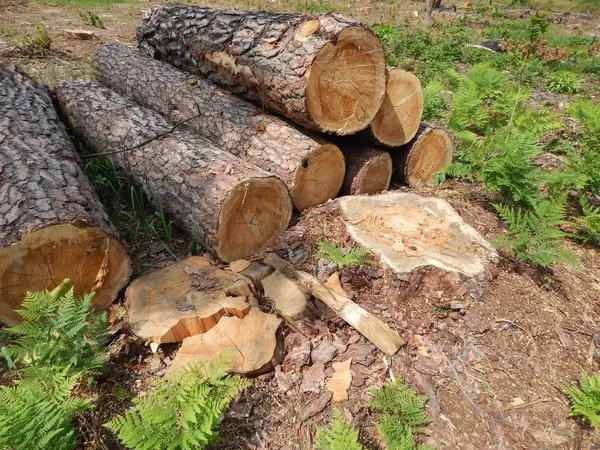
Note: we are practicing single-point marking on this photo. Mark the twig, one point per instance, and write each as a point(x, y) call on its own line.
point(514, 324)
point(524, 405)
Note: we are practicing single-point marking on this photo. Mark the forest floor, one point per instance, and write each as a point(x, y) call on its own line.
point(492, 369)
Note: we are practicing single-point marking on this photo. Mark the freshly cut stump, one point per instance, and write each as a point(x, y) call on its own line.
point(408, 231)
point(229, 205)
point(52, 225)
point(185, 299)
point(397, 121)
point(416, 163)
point(251, 346)
point(368, 170)
point(311, 168)
point(324, 72)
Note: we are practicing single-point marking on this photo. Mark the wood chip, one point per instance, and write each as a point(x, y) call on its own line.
point(340, 381)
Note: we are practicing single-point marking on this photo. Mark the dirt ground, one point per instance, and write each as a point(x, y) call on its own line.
point(492, 367)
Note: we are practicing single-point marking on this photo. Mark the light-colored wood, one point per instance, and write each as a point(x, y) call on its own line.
point(368, 169)
point(82, 35)
point(239, 265)
point(340, 381)
point(185, 299)
point(334, 283)
point(251, 346)
point(287, 298)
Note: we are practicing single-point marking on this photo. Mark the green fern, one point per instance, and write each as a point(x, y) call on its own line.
point(585, 401)
point(402, 415)
point(37, 412)
point(435, 102)
point(339, 435)
point(182, 412)
point(58, 331)
point(532, 235)
point(589, 222)
point(353, 257)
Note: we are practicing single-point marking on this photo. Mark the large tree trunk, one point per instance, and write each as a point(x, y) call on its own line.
point(52, 225)
point(324, 72)
point(416, 163)
point(398, 118)
point(312, 169)
point(368, 170)
point(229, 205)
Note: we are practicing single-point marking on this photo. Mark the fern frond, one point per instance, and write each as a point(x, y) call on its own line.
point(339, 435)
point(585, 400)
point(354, 256)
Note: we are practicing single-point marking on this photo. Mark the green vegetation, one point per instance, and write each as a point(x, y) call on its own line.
point(588, 223)
point(86, 2)
point(182, 412)
point(38, 41)
point(563, 82)
point(91, 19)
point(354, 256)
point(585, 400)
point(339, 434)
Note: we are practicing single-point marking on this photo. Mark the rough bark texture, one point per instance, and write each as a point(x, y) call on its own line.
point(52, 225)
point(368, 169)
point(416, 163)
point(229, 205)
point(312, 169)
point(324, 72)
point(398, 118)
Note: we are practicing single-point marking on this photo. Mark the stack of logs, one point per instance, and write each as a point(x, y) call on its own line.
point(228, 119)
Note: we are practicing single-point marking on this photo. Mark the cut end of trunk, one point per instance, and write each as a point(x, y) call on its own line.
point(397, 121)
point(319, 178)
point(430, 153)
point(346, 82)
point(374, 176)
point(255, 212)
point(94, 261)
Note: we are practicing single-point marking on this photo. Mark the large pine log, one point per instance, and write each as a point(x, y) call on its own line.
point(324, 72)
point(368, 169)
point(52, 225)
point(416, 163)
point(229, 205)
point(312, 169)
point(398, 118)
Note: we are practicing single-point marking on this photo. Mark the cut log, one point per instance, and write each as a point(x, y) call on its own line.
point(52, 224)
point(416, 163)
point(311, 168)
point(287, 298)
point(398, 118)
point(368, 170)
point(229, 205)
point(325, 72)
point(251, 346)
point(185, 299)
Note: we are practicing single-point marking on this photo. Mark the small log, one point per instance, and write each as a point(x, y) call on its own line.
point(376, 331)
point(326, 72)
point(398, 118)
point(416, 163)
point(185, 299)
point(311, 168)
point(251, 346)
point(231, 206)
point(368, 170)
point(52, 224)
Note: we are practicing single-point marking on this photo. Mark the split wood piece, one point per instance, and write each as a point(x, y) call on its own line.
point(416, 163)
point(185, 299)
point(287, 298)
point(398, 118)
point(408, 231)
point(324, 72)
point(52, 224)
point(82, 35)
point(251, 346)
point(379, 333)
point(368, 170)
point(229, 205)
point(311, 168)
point(340, 381)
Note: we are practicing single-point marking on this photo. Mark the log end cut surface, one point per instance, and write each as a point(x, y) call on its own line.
point(255, 211)
point(431, 152)
point(346, 82)
point(319, 178)
point(397, 121)
point(374, 176)
point(94, 261)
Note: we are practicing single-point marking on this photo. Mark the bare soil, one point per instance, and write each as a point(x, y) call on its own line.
point(492, 368)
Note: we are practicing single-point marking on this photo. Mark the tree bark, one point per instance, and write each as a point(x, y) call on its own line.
point(311, 168)
point(416, 163)
point(398, 118)
point(229, 205)
point(324, 72)
point(368, 169)
point(52, 225)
